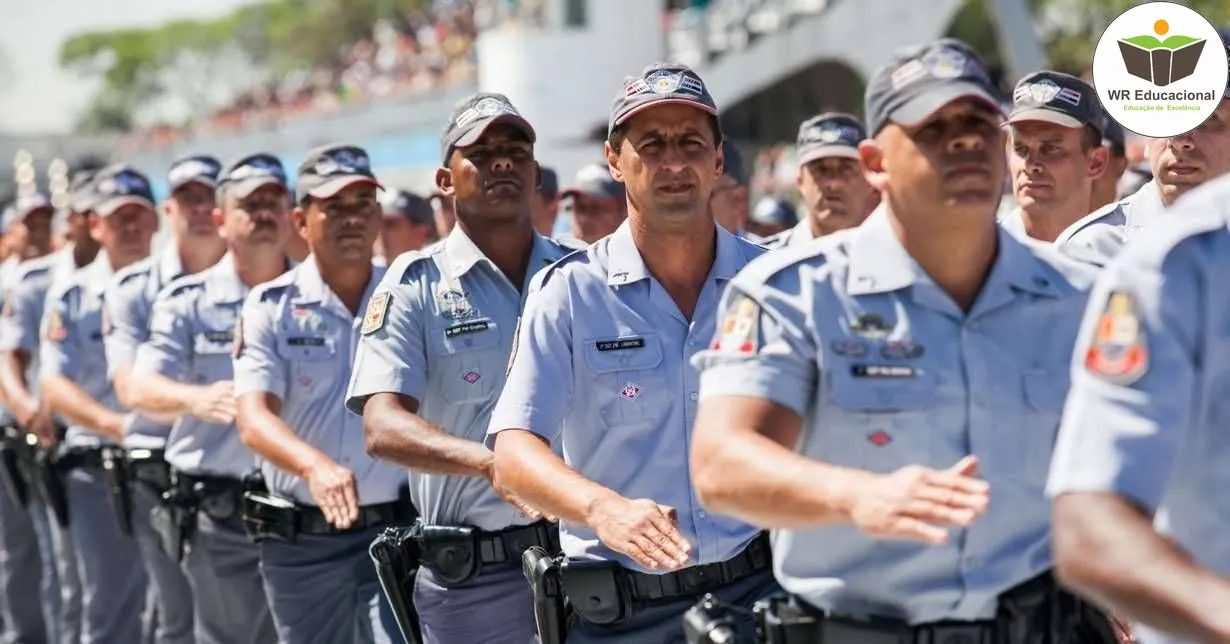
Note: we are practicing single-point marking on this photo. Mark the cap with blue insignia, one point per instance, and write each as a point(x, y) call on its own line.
point(660, 84)
point(248, 174)
point(919, 81)
point(832, 134)
point(1054, 97)
point(328, 169)
point(117, 186)
point(473, 115)
point(402, 203)
point(200, 168)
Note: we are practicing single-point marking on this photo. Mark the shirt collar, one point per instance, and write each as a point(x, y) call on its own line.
point(625, 265)
point(801, 233)
point(880, 264)
point(461, 252)
point(224, 284)
point(170, 267)
point(98, 274)
point(311, 288)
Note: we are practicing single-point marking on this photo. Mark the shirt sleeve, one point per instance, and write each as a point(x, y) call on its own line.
point(258, 367)
point(61, 345)
point(1134, 372)
point(538, 389)
point(169, 350)
point(22, 317)
point(391, 356)
point(125, 325)
point(763, 346)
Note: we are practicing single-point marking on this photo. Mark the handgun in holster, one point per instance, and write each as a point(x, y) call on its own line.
point(115, 474)
point(541, 570)
point(12, 448)
point(779, 621)
point(269, 516)
point(1041, 601)
point(395, 555)
point(709, 622)
point(174, 519)
point(49, 479)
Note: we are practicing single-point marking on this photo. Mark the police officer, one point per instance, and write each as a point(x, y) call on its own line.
point(431, 362)
point(836, 195)
point(409, 223)
point(23, 564)
point(1055, 154)
point(730, 202)
point(1138, 519)
point(597, 203)
point(546, 202)
point(185, 370)
point(858, 384)
point(1106, 186)
point(194, 245)
point(601, 369)
point(291, 372)
point(19, 340)
point(73, 378)
point(771, 216)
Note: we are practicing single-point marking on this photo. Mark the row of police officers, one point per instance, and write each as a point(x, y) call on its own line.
point(853, 432)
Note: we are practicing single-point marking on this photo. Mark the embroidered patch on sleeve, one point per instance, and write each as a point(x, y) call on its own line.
point(377, 313)
point(56, 331)
point(512, 355)
point(740, 329)
point(237, 340)
point(1118, 352)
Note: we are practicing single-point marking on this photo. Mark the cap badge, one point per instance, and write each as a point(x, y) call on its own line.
point(946, 64)
point(663, 82)
point(1044, 91)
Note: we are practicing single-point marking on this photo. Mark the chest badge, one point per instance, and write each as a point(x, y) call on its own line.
point(454, 305)
point(870, 326)
point(631, 391)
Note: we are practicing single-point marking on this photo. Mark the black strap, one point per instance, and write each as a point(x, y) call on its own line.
point(510, 544)
point(204, 486)
point(76, 458)
point(698, 580)
point(312, 519)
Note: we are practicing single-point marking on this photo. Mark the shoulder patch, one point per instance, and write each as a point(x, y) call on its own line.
point(237, 340)
point(1118, 352)
point(56, 331)
point(740, 330)
point(540, 278)
point(377, 312)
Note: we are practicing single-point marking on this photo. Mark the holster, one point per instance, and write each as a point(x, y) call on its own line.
point(269, 516)
point(451, 552)
point(396, 558)
point(708, 622)
point(550, 613)
point(780, 621)
point(1041, 606)
point(49, 479)
point(597, 590)
point(12, 451)
point(174, 520)
point(148, 467)
point(115, 473)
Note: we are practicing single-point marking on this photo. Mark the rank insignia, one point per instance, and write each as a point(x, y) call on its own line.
point(740, 330)
point(377, 313)
point(870, 326)
point(1118, 352)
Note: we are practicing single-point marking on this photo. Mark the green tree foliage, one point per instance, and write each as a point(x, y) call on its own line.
point(188, 60)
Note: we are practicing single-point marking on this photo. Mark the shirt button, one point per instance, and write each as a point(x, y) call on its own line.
point(700, 514)
point(693, 395)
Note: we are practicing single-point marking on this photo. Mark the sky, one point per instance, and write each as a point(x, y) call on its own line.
point(36, 96)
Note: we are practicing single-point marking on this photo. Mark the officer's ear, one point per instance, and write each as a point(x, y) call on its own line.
point(871, 160)
point(612, 162)
point(95, 223)
point(1099, 162)
point(218, 218)
point(444, 181)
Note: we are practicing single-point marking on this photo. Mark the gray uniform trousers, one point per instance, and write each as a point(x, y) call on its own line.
point(325, 589)
point(662, 622)
point(497, 607)
point(22, 572)
point(168, 615)
point(63, 610)
point(223, 567)
point(112, 580)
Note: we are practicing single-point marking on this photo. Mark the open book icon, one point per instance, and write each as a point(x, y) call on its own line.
point(1161, 62)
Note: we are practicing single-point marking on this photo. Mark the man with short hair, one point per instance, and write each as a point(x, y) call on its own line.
point(1106, 187)
point(836, 195)
point(731, 203)
point(1055, 154)
point(409, 223)
point(597, 203)
point(546, 202)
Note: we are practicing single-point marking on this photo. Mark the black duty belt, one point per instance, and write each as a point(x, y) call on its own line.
point(311, 520)
point(221, 497)
point(507, 545)
point(698, 580)
point(149, 466)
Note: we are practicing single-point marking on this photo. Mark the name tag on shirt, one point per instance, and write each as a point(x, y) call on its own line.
point(466, 328)
point(882, 371)
point(621, 344)
point(219, 336)
point(305, 342)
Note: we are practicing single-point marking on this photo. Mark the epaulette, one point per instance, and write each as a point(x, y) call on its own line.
point(183, 285)
point(132, 271)
point(34, 267)
point(768, 264)
point(540, 278)
point(274, 288)
point(404, 262)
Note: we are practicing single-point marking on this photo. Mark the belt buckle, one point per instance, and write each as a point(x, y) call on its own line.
point(957, 634)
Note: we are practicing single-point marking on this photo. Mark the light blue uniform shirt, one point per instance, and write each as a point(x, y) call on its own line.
point(601, 369)
point(191, 337)
point(1094, 238)
point(298, 344)
point(445, 338)
point(797, 235)
point(72, 341)
point(1155, 433)
point(126, 312)
point(887, 371)
point(24, 303)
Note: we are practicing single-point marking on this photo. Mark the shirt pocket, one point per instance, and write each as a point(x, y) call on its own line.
point(468, 363)
point(627, 383)
point(880, 422)
point(1044, 393)
point(312, 365)
point(212, 356)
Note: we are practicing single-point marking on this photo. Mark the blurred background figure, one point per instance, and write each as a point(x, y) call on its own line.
point(409, 224)
point(1106, 187)
point(546, 202)
point(445, 216)
point(772, 215)
point(597, 203)
point(730, 202)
